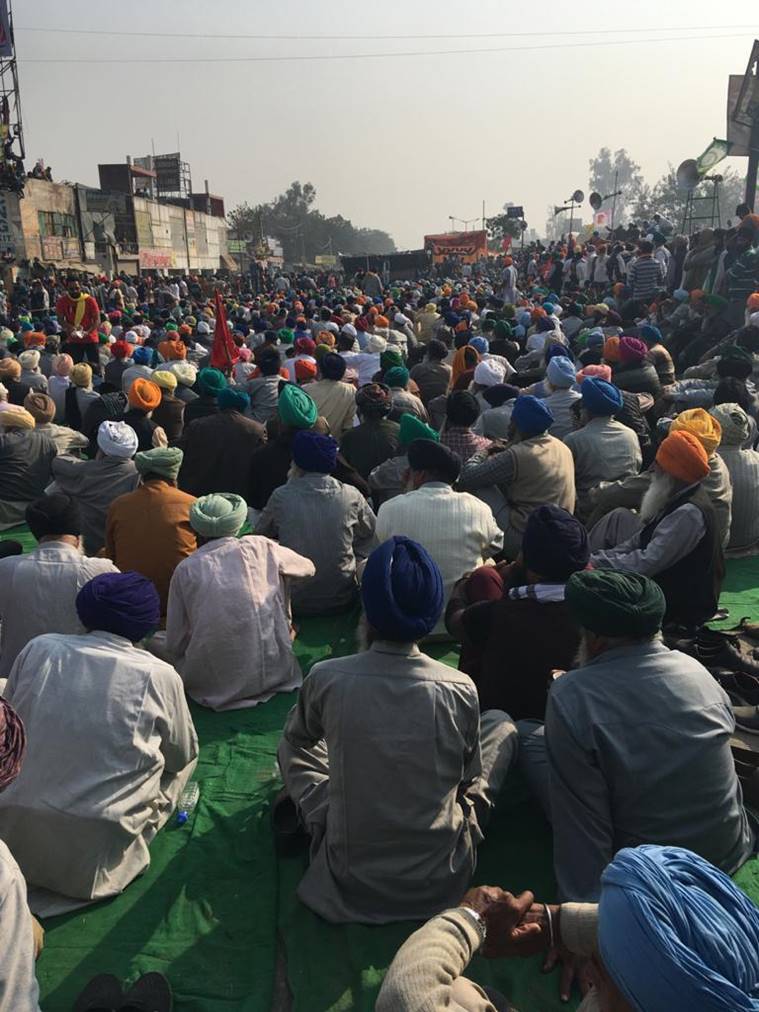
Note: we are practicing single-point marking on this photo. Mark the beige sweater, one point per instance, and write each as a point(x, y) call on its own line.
point(425, 975)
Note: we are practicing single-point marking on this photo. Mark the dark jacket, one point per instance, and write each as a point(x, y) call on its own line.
point(16, 391)
point(271, 464)
point(109, 408)
point(369, 444)
point(185, 393)
point(201, 407)
point(218, 453)
point(510, 648)
point(637, 379)
point(693, 585)
point(143, 426)
point(170, 416)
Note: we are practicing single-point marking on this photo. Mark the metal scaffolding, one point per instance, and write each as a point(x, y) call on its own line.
point(12, 151)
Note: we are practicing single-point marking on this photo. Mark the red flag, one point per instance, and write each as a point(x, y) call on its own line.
point(224, 352)
point(506, 243)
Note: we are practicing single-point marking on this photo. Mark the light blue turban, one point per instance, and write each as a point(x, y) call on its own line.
point(676, 935)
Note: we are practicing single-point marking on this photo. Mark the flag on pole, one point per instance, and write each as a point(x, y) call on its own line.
point(224, 352)
point(716, 151)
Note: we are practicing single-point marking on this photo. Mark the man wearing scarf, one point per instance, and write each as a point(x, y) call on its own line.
point(79, 316)
point(120, 759)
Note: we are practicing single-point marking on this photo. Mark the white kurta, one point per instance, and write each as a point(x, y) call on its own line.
point(18, 984)
point(111, 745)
point(38, 595)
point(228, 624)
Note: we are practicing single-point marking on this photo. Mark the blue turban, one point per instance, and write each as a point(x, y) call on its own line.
point(651, 335)
point(142, 355)
point(676, 935)
point(314, 452)
point(233, 400)
point(531, 416)
point(479, 344)
point(452, 319)
point(557, 351)
point(681, 294)
point(596, 339)
point(600, 397)
point(402, 590)
point(561, 372)
point(126, 604)
point(519, 331)
point(555, 544)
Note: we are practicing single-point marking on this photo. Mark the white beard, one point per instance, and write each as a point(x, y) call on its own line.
point(582, 656)
point(659, 493)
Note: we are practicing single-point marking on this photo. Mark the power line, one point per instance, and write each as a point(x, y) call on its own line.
point(355, 38)
point(378, 56)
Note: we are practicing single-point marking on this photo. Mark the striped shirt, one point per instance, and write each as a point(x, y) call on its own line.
point(645, 276)
point(743, 467)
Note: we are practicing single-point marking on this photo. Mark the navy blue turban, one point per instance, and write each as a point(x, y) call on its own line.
point(555, 544)
point(651, 335)
point(600, 397)
point(233, 400)
point(676, 935)
point(560, 350)
point(531, 416)
point(333, 366)
point(402, 591)
point(126, 604)
point(314, 452)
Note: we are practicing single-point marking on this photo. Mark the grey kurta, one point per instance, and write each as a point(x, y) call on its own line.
point(113, 747)
point(403, 778)
point(94, 484)
point(638, 745)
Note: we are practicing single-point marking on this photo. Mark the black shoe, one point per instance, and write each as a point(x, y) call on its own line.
point(151, 993)
point(102, 994)
point(741, 688)
point(290, 836)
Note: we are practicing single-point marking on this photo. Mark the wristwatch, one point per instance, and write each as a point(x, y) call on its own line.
point(478, 921)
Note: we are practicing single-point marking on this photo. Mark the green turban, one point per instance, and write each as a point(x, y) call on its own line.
point(296, 408)
point(397, 377)
point(211, 382)
point(716, 301)
point(390, 358)
point(503, 330)
point(171, 326)
point(412, 428)
point(615, 604)
point(163, 460)
point(285, 335)
point(219, 515)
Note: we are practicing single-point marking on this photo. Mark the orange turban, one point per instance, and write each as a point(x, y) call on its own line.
point(700, 424)
point(144, 394)
point(173, 351)
point(304, 370)
point(382, 321)
point(683, 456)
point(696, 295)
point(326, 337)
point(463, 359)
point(34, 339)
point(611, 349)
point(753, 302)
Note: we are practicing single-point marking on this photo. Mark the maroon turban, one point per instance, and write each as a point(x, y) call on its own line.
point(12, 743)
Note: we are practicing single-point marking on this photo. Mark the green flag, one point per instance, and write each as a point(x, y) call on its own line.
point(716, 151)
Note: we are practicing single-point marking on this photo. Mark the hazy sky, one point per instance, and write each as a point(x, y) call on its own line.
point(398, 144)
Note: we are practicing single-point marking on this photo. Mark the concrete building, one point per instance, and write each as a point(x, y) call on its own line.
point(120, 227)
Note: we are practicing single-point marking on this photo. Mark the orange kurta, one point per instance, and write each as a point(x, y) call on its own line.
point(149, 531)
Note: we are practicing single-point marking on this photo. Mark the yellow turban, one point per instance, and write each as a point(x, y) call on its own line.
point(15, 417)
point(700, 423)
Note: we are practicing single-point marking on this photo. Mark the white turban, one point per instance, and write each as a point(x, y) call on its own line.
point(117, 439)
point(185, 372)
point(376, 344)
point(489, 373)
point(348, 329)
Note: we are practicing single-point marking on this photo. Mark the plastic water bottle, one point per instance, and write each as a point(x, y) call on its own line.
point(187, 802)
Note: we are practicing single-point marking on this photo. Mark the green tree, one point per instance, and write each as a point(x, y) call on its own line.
point(608, 168)
point(499, 227)
point(304, 232)
point(666, 197)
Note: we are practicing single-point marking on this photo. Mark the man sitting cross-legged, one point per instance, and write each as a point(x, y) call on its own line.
point(387, 762)
point(111, 747)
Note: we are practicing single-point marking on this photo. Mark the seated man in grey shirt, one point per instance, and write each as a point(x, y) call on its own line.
point(636, 744)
